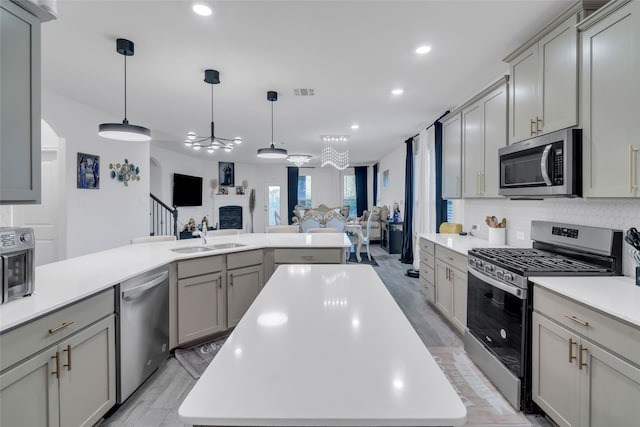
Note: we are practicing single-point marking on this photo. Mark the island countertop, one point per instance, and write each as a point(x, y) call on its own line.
point(64, 282)
point(323, 345)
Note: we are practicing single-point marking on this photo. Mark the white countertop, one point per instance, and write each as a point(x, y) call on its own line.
point(61, 283)
point(457, 243)
point(323, 345)
point(617, 296)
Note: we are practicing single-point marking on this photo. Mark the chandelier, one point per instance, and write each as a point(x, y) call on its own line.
point(212, 142)
point(298, 159)
point(335, 152)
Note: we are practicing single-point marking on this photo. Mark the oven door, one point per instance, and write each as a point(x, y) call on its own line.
point(496, 315)
point(17, 274)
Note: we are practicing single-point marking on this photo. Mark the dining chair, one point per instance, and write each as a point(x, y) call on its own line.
point(309, 221)
point(283, 229)
point(336, 220)
point(366, 238)
point(324, 230)
point(150, 239)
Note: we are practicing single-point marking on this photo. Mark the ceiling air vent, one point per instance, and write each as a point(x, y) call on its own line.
point(304, 92)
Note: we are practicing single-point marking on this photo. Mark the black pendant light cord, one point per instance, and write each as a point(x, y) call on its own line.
point(272, 146)
point(125, 90)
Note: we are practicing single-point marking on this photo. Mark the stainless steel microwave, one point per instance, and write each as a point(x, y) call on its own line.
point(544, 166)
point(17, 249)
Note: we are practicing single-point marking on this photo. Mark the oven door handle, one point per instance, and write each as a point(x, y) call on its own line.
point(544, 165)
point(4, 295)
point(510, 289)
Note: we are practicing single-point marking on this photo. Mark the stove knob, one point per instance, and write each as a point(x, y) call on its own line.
point(479, 263)
point(489, 268)
point(472, 261)
point(508, 277)
point(499, 274)
point(25, 237)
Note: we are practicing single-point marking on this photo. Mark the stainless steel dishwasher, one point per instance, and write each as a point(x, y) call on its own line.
point(143, 328)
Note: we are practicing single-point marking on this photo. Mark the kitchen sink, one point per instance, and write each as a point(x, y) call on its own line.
point(192, 249)
point(226, 246)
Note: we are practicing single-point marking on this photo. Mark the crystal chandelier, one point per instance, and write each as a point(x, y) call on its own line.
point(212, 142)
point(335, 152)
point(298, 159)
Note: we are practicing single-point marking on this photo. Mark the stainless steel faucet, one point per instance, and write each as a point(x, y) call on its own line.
point(202, 233)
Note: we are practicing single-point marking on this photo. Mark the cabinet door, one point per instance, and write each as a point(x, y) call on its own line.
point(451, 157)
point(459, 303)
point(609, 389)
point(88, 377)
point(20, 105)
point(494, 136)
point(243, 286)
point(472, 151)
point(523, 91)
point(558, 58)
point(29, 392)
point(555, 373)
point(443, 288)
point(611, 90)
point(201, 307)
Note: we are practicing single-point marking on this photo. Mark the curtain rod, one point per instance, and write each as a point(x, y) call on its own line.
point(444, 114)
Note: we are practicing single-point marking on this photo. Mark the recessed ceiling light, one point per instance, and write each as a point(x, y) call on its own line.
point(355, 126)
point(397, 91)
point(423, 49)
point(202, 9)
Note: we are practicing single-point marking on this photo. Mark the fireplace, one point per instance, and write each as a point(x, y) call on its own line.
point(230, 217)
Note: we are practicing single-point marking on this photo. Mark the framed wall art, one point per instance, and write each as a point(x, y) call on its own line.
point(226, 174)
point(88, 171)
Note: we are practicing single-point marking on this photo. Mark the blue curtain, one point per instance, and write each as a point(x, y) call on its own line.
point(292, 190)
point(407, 229)
point(361, 189)
point(375, 184)
point(441, 204)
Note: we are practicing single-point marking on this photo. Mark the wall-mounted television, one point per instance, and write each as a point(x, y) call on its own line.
point(187, 190)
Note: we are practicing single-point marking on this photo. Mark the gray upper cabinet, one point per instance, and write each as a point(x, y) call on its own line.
point(451, 157)
point(610, 94)
point(19, 103)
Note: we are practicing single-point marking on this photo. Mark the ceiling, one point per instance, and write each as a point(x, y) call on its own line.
point(352, 53)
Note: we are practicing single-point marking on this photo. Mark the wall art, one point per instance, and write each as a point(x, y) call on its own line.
point(88, 171)
point(226, 174)
point(124, 172)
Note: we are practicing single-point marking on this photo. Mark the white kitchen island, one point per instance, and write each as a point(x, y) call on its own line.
point(323, 345)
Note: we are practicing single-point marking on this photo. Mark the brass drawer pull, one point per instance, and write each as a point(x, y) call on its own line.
point(571, 343)
point(57, 357)
point(580, 363)
point(575, 319)
point(538, 123)
point(533, 123)
point(68, 350)
point(64, 325)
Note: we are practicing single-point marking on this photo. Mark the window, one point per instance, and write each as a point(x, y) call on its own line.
point(349, 194)
point(449, 210)
point(274, 203)
point(304, 191)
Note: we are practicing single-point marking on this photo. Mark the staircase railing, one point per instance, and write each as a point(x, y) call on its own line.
point(164, 219)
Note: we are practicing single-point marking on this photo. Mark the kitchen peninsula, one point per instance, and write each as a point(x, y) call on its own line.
point(323, 345)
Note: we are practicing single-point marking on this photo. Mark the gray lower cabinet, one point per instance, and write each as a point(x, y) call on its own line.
point(70, 384)
point(201, 306)
point(451, 286)
point(243, 286)
point(427, 269)
point(585, 368)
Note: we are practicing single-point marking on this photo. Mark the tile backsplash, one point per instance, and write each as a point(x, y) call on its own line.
point(610, 213)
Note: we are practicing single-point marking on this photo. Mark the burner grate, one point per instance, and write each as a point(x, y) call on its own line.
point(535, 260)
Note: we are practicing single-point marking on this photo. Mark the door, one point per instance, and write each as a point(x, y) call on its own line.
point(45, 218)
point(201, 305)
point(494, 136)
point(472, 152)
point(29, 392)
point(451, 157)
point(459, 304)
point(523, 107)
point(443, 288)
point(609, 388)
point(611, 65)
point(272, 206)
point(88, 377)
point(555, 371)
point(243, 286)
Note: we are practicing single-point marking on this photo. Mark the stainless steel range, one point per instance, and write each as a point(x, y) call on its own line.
point(500, 296)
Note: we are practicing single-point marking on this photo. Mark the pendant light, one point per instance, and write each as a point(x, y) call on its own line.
point(124, 131)
point(272, 152)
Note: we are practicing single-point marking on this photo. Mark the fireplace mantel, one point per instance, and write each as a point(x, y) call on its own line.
point(220, 200)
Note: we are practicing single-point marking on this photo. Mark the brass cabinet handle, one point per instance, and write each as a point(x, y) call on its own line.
point(68, 351)
point(538, 125)
point(231, 280)
point(57, 357)
point(580, 363)
point(575, 319)
point(571, 344)
point(446, 273)
point(220, 281)
point(64, 325)
point(307, 257)
point(632, 185)
point(533, 132)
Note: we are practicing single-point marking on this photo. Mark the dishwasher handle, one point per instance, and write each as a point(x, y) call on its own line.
point(130, 294)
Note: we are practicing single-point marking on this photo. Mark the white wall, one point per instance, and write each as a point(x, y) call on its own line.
point(395, 163)
point(112, 215)
point(610, 213)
